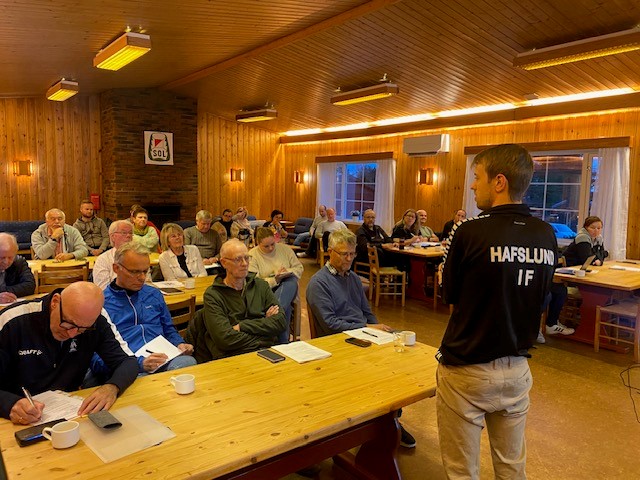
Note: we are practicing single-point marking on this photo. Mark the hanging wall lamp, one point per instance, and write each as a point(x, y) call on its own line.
point(122, 51)
point(22, 167)
point(62, 90)
point(237, 175)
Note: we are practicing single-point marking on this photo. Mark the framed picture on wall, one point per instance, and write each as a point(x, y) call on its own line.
point(158, 148)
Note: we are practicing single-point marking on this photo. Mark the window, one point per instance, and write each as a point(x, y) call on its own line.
point(355, 188)
point(561, 190)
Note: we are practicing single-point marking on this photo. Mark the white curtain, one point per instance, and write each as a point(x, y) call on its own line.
point(468, 198)
point(611, 199)
point(385, 193)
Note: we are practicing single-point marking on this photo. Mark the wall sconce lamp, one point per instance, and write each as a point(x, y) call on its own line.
point(298, 176)
point(237, 175)
point(22, 167)
point(426, 176)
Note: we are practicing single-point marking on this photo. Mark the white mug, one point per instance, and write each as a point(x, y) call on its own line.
point(63, 434)
point(190, 283)
point(184, 383)
point(409, 338)
point(580, 273)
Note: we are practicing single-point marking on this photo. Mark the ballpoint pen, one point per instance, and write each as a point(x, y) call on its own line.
point(29, 397)
point(369, 333)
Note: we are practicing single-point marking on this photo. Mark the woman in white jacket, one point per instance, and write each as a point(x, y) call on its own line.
point(177, 259)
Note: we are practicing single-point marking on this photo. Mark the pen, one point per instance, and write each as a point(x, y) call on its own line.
point(29, 397)
point(369, 333)
point(149, 351)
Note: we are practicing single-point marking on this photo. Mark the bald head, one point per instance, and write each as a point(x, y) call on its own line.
point(79, 305)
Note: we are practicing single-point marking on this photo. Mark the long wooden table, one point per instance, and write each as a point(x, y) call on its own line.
point(249, 418)
point(202, 283)
point(36, 265)
point(422, 260)
point(597, 288)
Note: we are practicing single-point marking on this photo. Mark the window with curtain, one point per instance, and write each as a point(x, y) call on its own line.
point(355, 188)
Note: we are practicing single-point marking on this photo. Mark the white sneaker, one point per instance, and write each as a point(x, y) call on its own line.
point(540, 338)
point(301, 254)
point(559, 329)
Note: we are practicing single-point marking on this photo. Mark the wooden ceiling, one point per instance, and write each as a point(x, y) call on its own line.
point(231, 54)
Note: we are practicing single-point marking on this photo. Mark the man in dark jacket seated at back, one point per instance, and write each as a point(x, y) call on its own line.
point(16, 279)
point(371, 234)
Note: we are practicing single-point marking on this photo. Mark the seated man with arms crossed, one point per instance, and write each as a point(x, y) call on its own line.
point(241, 314)
point(371, 234)
point(93, 229)
point(16, 279)
point(120, 232)
point(45, 346)
point(55, 239)
point(337, 300)
point(204, 237)
point(425, 231)
point(139, 311)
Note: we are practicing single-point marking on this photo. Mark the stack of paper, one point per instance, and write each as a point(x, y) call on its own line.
point(372, 334)
point(57, 405)
point(301, 352)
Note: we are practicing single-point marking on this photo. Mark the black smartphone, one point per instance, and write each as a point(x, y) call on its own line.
point(31, 435)
point(359, 342)
point(270, 355)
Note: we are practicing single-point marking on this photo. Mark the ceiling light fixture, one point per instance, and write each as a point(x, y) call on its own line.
point(62, 90)
point(475, 110)
point(374, 92)
point(257, 115)
point(594, 47)
point(122, 51)
point(579, 96)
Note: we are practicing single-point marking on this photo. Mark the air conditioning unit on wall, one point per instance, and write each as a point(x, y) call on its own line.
point(427, 145)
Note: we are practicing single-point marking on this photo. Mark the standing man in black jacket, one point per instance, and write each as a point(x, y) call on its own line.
point(16, 279)
point(498, 269)
point(47, 346)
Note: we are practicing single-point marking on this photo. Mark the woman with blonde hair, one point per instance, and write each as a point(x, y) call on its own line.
point(241, 227)
point(177, 259)
point(407, 228)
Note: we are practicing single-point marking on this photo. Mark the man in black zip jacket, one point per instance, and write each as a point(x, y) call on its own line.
point(498, 269)
point(47, 346)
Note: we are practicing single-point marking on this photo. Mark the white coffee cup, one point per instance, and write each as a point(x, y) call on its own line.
point(580, 273)
point(184, 383)
point(190, 283)
point(63, 434)
point(409, 338)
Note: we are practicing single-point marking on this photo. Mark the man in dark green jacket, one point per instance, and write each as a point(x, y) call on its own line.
point(241, 314)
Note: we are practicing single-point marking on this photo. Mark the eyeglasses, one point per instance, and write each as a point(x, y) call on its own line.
point(69, 325)
point(135, 273)
point(240, 259)
point(345, 255)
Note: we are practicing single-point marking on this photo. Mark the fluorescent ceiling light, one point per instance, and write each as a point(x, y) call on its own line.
point(308, 131)
point(579, 96)
point(407, 119)
point(374, 92)
point(62, 90)
point(471, 111)
point(353, 126)
point(611, 44)
point(257, 115)
point(122, 51)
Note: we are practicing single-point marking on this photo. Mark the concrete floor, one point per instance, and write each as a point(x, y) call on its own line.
point(582, 423)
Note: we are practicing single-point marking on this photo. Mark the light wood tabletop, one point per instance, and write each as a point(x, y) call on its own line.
point(202, 283)
point(428, 252)
point(36, 265)
point(246, 410)
point(612, 275)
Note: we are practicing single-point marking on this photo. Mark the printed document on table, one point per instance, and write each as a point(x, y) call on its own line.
point(159, 345)
point(168, 284)
point(301, 352)
point(372, 334)
point(57, 405)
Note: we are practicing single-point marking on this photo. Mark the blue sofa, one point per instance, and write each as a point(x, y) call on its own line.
point(301, 225)
point(22, 232)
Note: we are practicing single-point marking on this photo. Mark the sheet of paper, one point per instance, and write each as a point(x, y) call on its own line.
point(159, 345)
point(58, 405)
point(168, 284)
point(626, 269)
point(301, 352)
point(372, 334)
point(213, 265)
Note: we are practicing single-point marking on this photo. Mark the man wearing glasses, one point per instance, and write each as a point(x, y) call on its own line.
point(241, 314)
point(47, 346)
point(140, 313)
point(120, 232)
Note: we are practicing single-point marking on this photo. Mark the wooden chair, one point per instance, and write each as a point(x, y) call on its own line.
point(50, 279)
point(384, 278)
point(182, 313)
point(313, 330)
point(296, 319)
point(624, 317)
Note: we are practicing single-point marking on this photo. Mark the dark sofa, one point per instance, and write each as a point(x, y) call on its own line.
point(22, 231)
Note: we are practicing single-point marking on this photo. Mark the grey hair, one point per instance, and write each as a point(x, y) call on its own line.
point(10, 239)
point(54, 211)
point(229, 244)
point(115, 226)
point(204, 215)
point(342, 236)
point(134, 247)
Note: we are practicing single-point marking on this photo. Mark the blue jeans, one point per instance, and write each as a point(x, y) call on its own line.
point(302, 237)
point(286, 293)
point(181, 361)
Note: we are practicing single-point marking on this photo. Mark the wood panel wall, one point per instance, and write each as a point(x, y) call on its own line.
point(223, 145)
point(62, 140)
point(445, 196)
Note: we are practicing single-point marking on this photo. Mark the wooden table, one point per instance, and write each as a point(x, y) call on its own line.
point(36, 265)
point(422, 261)
point(597, 288)
point(202, 283)
point(249, 418)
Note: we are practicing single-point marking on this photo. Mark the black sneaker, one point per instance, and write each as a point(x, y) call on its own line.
point(406, 439)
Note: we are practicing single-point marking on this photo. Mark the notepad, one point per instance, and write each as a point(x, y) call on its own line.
point(159, 345)
point(372, 334)
point(57, 405)
point(301, 352)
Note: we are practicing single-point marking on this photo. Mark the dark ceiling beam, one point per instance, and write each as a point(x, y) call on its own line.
point(356, 12)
